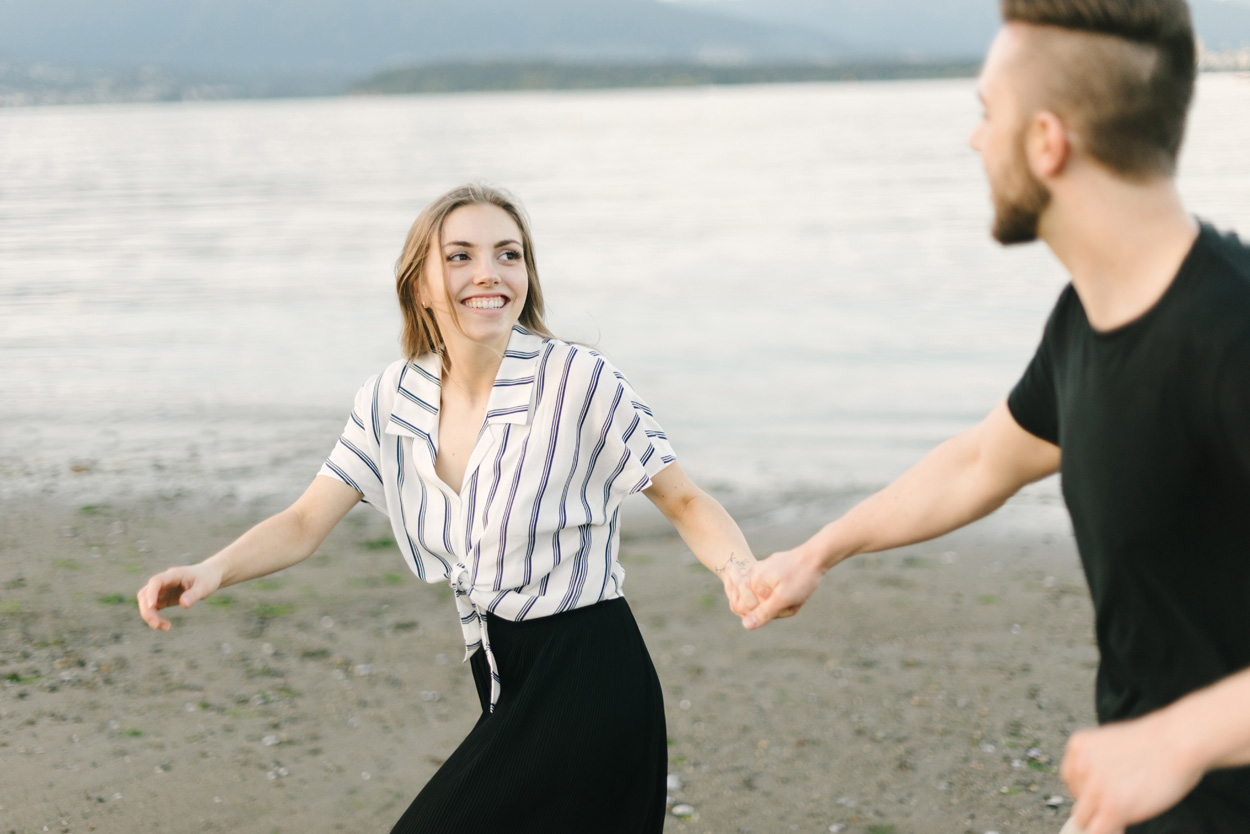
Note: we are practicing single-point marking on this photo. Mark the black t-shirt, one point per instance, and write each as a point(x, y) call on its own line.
point(1153, 421)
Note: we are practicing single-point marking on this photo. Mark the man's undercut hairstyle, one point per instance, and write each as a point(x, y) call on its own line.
point(1124, 83)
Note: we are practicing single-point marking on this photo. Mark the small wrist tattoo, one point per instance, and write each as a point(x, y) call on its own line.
point(736, 563)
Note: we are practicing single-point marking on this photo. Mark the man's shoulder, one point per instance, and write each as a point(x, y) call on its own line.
point(1066, 313)
point(1222, 299)
point(1225, 240)
point(1229, 255)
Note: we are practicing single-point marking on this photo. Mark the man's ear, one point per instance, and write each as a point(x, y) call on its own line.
point(1047, 145)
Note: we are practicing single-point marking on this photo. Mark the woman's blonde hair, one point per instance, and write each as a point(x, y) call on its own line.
point(420, 332)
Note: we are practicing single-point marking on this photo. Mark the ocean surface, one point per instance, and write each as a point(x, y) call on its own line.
point(798, 278)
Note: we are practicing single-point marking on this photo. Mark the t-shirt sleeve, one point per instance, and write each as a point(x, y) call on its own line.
point(1034, 402)
point(631, 446)
point(1233, 403)
point(356, 458)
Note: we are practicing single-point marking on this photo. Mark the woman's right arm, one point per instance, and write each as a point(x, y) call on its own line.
point(276, 543)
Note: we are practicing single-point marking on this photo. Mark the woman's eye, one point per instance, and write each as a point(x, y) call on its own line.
point(458, 256)
point(511, 255)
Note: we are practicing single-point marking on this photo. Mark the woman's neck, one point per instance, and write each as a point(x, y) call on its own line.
point(474, 367)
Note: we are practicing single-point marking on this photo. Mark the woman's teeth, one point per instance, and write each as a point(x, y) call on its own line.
point(492, 303)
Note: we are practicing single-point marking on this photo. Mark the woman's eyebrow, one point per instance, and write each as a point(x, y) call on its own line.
point(467, 245)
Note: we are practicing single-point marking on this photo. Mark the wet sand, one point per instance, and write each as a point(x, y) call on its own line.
point(929, 689)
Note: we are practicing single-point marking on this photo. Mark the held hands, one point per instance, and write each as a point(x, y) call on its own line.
point(1125, 773)
point(183, 586)
point(781, 584)
point(735, 573)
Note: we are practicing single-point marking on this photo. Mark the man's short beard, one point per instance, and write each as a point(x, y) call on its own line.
point(1017, 211)
point(1016, 221)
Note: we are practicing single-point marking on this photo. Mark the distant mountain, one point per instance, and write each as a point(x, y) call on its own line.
point(951, 28)
point(948, 29)
point(68, 50)
point(354, 37)
point(1223, 24)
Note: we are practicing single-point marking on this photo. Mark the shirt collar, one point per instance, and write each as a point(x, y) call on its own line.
point(511, 399)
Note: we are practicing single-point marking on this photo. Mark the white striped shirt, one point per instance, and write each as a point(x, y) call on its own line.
point(534, 528)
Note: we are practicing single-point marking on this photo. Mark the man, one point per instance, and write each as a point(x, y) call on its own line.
point(1139, 394)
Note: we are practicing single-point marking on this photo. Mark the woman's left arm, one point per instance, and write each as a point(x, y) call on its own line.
point(710, 533)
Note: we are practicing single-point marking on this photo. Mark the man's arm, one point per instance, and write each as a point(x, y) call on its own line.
point(964, 479)
point(1125, 773)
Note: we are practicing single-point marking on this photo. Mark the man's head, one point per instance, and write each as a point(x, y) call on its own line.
point(1110, 79)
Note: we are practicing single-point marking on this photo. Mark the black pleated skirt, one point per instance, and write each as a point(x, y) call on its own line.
point(576, 743)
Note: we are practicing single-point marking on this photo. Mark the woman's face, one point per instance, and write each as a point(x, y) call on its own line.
point(486, 283)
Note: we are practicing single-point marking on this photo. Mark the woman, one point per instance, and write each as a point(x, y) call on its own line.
point(501, 456)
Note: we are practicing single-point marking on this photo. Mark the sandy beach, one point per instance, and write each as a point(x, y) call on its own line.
point(925, 690)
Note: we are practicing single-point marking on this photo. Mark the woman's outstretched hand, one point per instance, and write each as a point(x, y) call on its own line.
point(183, 586)
point(735, 573)
point(781, 584)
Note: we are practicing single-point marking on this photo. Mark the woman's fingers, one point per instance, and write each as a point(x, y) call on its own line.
point(196, 590)
point(184, 586)
point(741, 600)
point(163, 590)
point(148, 598)
point(746, 599)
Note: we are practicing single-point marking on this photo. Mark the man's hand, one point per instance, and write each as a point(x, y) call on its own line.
point(782, 583)
point(1125, 773)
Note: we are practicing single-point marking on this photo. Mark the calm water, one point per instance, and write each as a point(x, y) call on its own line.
point(798, 278)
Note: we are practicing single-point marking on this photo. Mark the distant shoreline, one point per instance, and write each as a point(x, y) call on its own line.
point(33, 85)
point(23, 85)
point(551, 75)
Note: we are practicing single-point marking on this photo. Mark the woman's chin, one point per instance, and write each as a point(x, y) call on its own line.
point(477, 334)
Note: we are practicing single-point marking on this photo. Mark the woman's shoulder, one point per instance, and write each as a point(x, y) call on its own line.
point(382, 388)
point(579, 359)
point(389, 377)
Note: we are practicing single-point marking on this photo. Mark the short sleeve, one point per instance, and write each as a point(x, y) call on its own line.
point(631, 446)
point(356, 459)
point(643, 437)
point(1034, 401)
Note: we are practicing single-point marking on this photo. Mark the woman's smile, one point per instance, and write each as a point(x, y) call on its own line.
point(485, 302)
